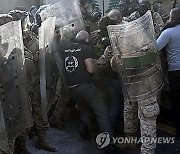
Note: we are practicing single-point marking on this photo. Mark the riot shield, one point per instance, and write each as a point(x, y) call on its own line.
point(138, 62)
point(69, 22)
point(46, 35)
point(15, 107)
point(68, 18)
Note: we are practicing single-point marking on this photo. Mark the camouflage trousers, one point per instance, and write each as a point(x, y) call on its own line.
point(39, 122)
point(35, 96)
point(62, 100)
point(147, 111)
point(52, 99)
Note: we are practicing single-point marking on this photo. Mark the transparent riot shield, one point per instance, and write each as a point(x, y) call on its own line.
point(69, 22)
point(46, 35)
point(15, 106)
point(137, 59)
point(68, 18)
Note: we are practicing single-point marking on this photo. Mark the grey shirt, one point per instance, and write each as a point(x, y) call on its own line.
point(170, 38)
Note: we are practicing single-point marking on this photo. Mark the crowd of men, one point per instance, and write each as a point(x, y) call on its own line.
point(92, 73)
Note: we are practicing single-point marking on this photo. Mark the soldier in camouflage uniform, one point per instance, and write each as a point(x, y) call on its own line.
point(31, 46)
point(4, 18)
point(147, 110)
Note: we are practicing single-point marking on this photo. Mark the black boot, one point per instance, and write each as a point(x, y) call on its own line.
point(43, 143)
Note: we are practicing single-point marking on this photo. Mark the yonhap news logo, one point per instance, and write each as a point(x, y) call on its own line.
point(104, 139)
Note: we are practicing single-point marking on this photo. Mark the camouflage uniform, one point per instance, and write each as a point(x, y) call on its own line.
point(101, 41)
point(57, 118)
point(52, 79)
point(31, 45)
point(3, 20)
point(146, 110)
point(99, 76)
point(41, 124)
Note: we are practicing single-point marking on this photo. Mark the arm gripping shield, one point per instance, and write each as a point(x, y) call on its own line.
point(139, 68)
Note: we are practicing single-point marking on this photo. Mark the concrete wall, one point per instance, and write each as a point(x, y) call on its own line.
point(7, 5)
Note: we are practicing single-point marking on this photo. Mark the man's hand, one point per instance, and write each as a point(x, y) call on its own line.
point(106, 57)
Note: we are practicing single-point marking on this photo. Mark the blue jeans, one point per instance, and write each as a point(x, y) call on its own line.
point(89, 95)
point(116, 108)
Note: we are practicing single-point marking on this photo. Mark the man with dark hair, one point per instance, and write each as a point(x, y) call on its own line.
point(170, 39)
